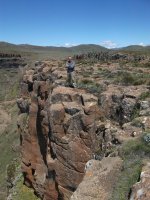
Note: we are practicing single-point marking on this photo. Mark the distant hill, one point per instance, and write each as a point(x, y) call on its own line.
point(33, 52)
point(133, 48)
point(136, 48)
point(84, 48)
point(51, 50)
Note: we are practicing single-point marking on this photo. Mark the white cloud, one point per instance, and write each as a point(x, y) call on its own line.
point(142, 44)
point(65, 45)
point(109, 44)
point(69, 45)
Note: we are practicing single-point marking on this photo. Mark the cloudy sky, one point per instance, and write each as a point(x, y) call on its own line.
point(111, 23)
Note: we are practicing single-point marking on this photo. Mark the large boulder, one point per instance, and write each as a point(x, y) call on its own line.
point(99, 179)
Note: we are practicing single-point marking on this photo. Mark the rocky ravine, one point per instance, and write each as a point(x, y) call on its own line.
point(58, 138)
point(62, 128)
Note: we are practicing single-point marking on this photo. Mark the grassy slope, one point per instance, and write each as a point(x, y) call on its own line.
point(136, 50)
point(8, 139)
point(9, 145)
point(9, 84)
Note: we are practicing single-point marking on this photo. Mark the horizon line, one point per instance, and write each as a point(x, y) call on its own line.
point(68, 45)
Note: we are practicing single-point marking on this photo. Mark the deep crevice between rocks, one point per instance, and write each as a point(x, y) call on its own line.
point(41, 139)
point(30, 87)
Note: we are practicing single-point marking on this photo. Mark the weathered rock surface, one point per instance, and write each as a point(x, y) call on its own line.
point(122, 103)
point(62, 128)
point(59, 136)
point(140, 190)
point(99, 179)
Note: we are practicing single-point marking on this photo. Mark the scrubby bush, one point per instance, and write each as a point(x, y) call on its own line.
point(137, 123)
point(144, 95)
point(11, 171)
point(90, 86)
point(146, 138)
point(133, 153)
point(128, 78)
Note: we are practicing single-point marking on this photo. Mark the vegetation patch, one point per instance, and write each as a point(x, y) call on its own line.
point(90, 86)
point(9, 82)
point(21, 192)
point(144, 95)
point(146, 137)
point(8, 141)
point(127, 78)
point(133, 154)
point(137, 123)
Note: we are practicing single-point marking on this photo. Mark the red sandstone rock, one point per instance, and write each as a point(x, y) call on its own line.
point(58, 138)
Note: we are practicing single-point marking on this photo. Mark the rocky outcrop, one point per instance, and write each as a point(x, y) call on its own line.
point(110, 56)
point(140, 191)
point(8, 55)
point(99, 179)
point(122, 103)
point(62, 129)
point(59, 136)
point(13, 62)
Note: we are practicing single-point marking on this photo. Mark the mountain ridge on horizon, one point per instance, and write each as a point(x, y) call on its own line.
point(71, 46)
point(34, 52)
point(28, 50)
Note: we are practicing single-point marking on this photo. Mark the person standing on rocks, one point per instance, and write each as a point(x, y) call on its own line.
point(70, 65)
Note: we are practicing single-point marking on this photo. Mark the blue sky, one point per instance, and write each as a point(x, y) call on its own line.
point(110, 23)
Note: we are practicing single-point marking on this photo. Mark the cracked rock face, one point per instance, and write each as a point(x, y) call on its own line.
point(59, 136)
point(121, 103)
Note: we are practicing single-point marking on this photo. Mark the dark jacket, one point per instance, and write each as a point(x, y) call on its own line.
point(70, 66)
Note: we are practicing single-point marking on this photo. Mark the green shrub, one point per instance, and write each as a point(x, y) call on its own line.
point(21, 192)
point(144, 95)
point(90, 86)
point(86, 81)
point(137, 123)
point(125, 78)
point(11, 170)
point(146, 138)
